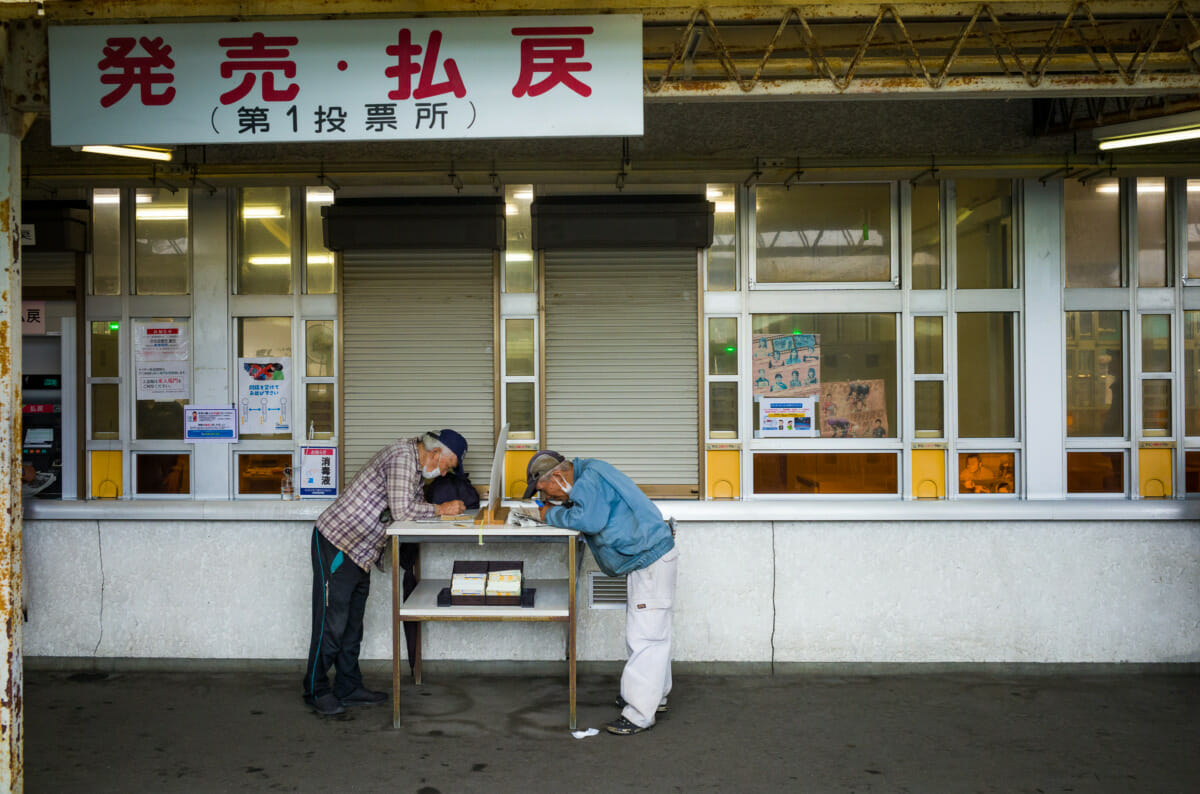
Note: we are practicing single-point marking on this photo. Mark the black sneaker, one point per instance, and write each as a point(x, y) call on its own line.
point(364, 697)
point(325, 704)
point(620, 703)
point(623, 727)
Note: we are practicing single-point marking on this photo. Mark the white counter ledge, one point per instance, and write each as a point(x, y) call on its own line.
point(682, 510)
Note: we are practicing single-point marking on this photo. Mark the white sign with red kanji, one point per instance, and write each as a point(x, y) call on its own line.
point(346, 80)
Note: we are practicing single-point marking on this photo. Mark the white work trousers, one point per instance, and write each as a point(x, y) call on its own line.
point(650, 602)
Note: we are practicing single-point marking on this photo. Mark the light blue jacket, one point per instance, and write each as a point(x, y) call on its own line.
point(623, 528)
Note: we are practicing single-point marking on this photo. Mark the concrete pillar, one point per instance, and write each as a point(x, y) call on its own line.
point(11, 672)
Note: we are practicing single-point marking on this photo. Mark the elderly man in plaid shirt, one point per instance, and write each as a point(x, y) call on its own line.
point(349, 538)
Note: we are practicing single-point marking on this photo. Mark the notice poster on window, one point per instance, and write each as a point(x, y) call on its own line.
point(854, 409)
point(787, 365)
point(160, 361)
point(318, 472)
point(210, 423)
point(264, 395)
point(787, 417)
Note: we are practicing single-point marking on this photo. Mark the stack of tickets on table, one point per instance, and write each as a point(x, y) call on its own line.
point(468, 584)
point(504, 583)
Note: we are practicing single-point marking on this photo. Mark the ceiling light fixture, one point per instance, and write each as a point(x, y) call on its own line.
point(140, 152)
point(1147, 132)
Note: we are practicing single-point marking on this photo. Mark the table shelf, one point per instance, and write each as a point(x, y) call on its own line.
point(550, 603)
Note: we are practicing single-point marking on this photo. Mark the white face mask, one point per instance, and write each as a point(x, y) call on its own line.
point(429, 474)
point(566, 486)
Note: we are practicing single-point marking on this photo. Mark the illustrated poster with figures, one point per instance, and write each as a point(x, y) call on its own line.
point(264, 395)
point(787, 365)
point(854, 409)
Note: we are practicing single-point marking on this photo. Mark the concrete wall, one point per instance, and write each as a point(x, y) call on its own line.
point(753, 591)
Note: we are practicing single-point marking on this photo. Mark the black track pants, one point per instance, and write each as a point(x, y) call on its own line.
point(339, 599)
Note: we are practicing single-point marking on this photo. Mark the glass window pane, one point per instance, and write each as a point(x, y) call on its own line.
point(264, 336)
point(106, 241)
point(1156, 343)
point(319, 344)
point(105, 411)
point(848, 361)
point(1193, 228)
point(1092, 217)
point(1156, 408)
point(722, 409)
point(927, 339)
point(262, 473)
point(106, 337)
point(161, 262)
point(265, 241)
point(518, 348)
point(986, 472)
point(1191, 373)
point(160, 419)
point(1152, 232)
point(318, 407)
point(1095, 374)
point(986, 375)
point(929, 409)
point(824, 232)
point(319, 268)
point(927, 237)
point(983, 233)
point(1191, 472)
point(826, 473)
point(722, 346)
point(519, 399)
point(722, 255)
point(1096, 472)
point(163, 474)
point(519, 266)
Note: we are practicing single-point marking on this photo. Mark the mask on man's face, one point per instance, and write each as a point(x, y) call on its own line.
point(429, 474)
point(566, 486)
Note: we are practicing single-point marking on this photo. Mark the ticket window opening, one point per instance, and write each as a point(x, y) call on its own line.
point(41, 443)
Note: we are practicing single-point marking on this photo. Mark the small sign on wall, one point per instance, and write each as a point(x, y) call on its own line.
point(33, 318)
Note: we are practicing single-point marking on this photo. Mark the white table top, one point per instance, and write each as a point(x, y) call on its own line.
point(464, 530)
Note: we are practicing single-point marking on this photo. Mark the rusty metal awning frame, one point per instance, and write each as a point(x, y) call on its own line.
point(816, 50)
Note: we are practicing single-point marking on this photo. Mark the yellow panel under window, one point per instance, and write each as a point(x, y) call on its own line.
point(515, 463)
point(724, 470)
point(106, 474)
point(1154, 472)
point(929, 473)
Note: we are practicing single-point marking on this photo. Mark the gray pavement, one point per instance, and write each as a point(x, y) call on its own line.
point(812, 732)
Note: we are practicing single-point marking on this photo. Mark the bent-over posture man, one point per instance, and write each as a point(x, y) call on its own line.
point(348, 539)
point(628, 537)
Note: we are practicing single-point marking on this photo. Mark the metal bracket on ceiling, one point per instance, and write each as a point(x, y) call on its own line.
point(1067, 171)
point(794, 176)
point(455, 179)
point(931, 172)
point(157, 180)
point(196, 180)
point(626, 164)
point(325, 181)
point(495, 178)
point(755, 175)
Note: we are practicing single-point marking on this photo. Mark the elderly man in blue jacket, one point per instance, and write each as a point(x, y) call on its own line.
point(628, 537)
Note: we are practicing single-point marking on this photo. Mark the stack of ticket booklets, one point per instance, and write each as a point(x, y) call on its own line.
point(487, 583)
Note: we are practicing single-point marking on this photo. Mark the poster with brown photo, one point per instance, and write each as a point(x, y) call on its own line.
point(787, 365)
point(854, 409)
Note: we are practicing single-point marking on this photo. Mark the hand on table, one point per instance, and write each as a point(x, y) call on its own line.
point(451, 508)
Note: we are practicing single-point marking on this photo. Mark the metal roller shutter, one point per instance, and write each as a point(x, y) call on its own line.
point(621, 361)
point(418, 331)
point(48, 269)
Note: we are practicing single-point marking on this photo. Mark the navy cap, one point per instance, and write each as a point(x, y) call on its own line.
point(453, 442)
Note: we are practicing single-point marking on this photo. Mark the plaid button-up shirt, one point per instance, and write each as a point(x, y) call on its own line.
point(392, 479)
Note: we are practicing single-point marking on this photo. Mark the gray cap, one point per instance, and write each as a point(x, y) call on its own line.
point(539, 465)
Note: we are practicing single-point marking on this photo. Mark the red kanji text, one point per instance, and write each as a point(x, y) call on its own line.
point(262, 54)
point(554, 52)
point(405, 52)
point(144, 71)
